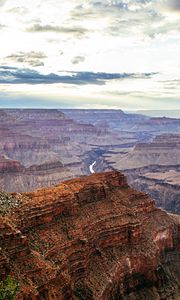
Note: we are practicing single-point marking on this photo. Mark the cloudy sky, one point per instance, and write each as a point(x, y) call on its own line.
point(90, 54)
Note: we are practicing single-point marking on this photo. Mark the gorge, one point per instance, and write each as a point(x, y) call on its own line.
point(92, 237)
point(43, 147)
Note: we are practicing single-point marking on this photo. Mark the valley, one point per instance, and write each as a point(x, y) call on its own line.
point(43, 147)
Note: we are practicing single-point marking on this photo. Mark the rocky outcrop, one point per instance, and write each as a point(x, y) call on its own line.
point(166, 195)
point(14, 177)
point(10, 166)
point(92, 237)
point(160, 182)
point(163, 150)
point(26, 149)
point(151, 167)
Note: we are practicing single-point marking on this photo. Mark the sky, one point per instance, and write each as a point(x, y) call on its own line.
point(90, 54)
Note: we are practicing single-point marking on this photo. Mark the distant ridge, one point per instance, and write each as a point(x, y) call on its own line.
point(160, 113)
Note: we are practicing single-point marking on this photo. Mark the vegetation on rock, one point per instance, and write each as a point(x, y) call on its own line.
point(8, 289)
point(7, 202)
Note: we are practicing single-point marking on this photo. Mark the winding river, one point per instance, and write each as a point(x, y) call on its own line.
point(91, 167)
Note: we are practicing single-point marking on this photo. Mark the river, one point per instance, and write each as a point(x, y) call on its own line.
point(91, 167)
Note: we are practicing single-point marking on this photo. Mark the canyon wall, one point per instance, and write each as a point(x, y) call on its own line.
point(92, 237)
point(151, 167)
point(161, 183)
point(43, 147)
point(47, 147)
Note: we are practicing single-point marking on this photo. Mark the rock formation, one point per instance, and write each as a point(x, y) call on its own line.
point(43, 147)
point(152, 168)
point(163, 150)
point(89, 238)
point(110, 118)
point(49, 147)
point(14, 177)
point(162, 183)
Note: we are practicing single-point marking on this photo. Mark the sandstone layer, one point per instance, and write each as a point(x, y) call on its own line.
point(92, 237)
point(162, 183)
point(151, 167)
point(162, 150)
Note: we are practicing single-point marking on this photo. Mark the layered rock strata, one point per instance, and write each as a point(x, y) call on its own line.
point(153, 168)
point(161, 183)
point(46, 147)
point(91, 237)
point(14, 177)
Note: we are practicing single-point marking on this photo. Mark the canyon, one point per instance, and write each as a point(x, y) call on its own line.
point(152, 167)
point(91, 237)
point(43, 147)
point(161, 183)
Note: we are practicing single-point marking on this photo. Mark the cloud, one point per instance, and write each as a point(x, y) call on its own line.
point(77, 59)
point(107, 5)
point(143, 18)
point(173, 5)
point(98, 9)
point(12, 75)
point(2, 2)
point(171, 85)
point(78, 31)
point(2, 26)
point(32, 58)
point(20, 10)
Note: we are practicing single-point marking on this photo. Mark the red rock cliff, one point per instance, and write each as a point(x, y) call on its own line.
point(92, 235)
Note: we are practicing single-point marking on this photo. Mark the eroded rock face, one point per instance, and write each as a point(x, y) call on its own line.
point(48, 147)
point(164, 150)
point(10, 166)
point(93, 235)
point(40, 139)
point(153, 168)
point(161, 183)
point(14, 177)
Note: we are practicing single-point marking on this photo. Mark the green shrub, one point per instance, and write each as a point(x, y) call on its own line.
point(8, 289)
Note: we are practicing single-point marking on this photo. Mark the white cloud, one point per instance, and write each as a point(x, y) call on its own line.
point(2, 2)
point(131, 36)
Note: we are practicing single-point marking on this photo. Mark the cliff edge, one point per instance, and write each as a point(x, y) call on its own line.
point(89, 238)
